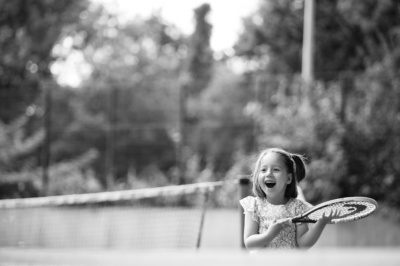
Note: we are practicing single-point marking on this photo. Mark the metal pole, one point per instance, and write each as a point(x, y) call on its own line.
point(111, 137)
point(181, 152)
point(47, 140)
point(244, 191)
point(307, 67)
point(308, 42)
point(203, 214)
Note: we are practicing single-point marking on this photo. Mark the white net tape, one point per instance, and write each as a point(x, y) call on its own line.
point(113, 196)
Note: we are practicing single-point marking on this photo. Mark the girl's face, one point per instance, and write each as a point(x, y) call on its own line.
point(274, 177)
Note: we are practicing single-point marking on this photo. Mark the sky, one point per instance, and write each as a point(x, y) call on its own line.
point(225, 16)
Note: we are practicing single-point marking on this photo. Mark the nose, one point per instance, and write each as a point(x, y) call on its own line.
point(268, 172)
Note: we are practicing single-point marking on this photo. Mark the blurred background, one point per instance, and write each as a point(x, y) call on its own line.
point(94, 98)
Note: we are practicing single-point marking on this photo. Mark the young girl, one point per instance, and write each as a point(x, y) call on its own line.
point(275, 179)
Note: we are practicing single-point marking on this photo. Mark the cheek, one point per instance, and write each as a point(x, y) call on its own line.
point(261, 180)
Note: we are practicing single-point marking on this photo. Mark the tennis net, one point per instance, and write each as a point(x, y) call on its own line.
point(151, 218)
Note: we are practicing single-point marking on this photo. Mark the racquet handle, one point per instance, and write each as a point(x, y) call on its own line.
point(302, 220)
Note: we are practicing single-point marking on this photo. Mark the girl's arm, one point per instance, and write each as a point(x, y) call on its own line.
point(307, 237)
point(253, 239)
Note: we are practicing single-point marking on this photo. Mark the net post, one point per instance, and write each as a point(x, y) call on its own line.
point(203, 214)
point(244, 191)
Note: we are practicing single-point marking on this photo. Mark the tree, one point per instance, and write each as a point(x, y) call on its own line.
point(264, 41)
point(373, 126)
point(352, 122)
point(356, 34)
point(200, 55)
point(29, 31)
point(223, 130)
point(127, 108)
point(194, 78)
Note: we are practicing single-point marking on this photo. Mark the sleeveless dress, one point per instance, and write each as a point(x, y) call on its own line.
point(264, 212)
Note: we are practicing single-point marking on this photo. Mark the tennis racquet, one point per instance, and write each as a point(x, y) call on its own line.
point(349, 209)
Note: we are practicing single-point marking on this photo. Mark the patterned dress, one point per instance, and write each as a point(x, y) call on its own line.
point(264, 212)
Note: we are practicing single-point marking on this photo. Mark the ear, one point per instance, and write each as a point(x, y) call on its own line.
point(289, 179)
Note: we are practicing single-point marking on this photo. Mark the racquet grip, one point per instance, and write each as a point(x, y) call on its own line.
point(302, 220)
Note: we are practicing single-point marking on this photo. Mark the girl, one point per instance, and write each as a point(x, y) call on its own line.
point(267, 225)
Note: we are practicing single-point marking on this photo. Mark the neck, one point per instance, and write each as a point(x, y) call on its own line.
point(278, 200)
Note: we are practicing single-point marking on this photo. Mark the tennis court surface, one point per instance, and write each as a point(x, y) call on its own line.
point(313, 257)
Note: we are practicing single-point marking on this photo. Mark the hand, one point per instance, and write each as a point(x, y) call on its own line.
point(277, 225)
point(327, 217)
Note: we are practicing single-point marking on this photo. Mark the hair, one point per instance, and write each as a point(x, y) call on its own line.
point(295, 165)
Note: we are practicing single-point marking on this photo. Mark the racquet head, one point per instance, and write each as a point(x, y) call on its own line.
point(349, 209)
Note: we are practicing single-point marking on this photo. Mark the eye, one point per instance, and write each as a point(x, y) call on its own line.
point(277, 170)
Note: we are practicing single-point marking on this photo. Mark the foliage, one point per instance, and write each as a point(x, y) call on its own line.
point(223, 130)
point(371, 141)
point(28, 33)
point(75, 176)
point(200, 56)
point(127, 108)
point(263, 40)
point(21, 178)
point(348, 123)
point(349, 35)
point(123, 122)
point(16, 144)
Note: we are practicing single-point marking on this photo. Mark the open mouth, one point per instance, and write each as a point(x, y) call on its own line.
point(270, 184)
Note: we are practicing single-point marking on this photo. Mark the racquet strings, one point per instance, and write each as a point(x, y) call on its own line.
point(348, 210)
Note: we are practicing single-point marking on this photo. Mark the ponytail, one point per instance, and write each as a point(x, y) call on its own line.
point(299, 161)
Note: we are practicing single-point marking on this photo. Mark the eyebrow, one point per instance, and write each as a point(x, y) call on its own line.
point(274, 165)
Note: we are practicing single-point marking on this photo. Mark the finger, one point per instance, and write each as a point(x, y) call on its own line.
point(282, 221)
point(287, 221)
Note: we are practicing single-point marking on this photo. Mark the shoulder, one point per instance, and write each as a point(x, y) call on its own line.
point(249, 200)
point(249, 203)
